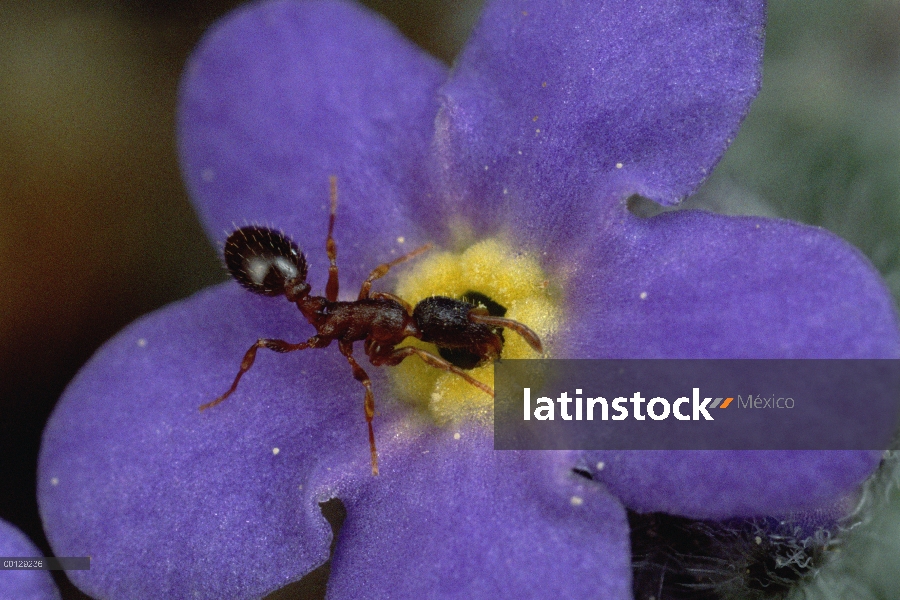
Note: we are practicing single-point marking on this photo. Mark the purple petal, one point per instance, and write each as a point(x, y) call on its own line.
point(692, 284)
point(130, 468)
point(548, 99)
point(25, 584)
point(707, 484)
point(281, 95)
point(697, 285)
point(174, 503)
point(455, 519)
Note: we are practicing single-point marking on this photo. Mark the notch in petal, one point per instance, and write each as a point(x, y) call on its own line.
point(645, 96)
point(172, 502)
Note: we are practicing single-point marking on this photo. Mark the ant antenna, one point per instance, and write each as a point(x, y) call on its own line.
point(527, 334)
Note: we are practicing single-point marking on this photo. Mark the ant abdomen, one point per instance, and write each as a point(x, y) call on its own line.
point(264, 261)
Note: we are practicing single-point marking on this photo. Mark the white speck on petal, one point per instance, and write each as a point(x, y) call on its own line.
point(401, 239)
point(600, 465)
point(758, 540)
point(276, 450)
point(643, 295)
point(576, 500)
point(54, 481)
point(142, 342)
point(456, 436)
point(619, 165)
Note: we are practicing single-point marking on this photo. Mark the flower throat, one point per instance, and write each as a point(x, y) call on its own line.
point(502, 282)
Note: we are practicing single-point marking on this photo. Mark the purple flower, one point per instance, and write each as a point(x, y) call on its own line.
point(23, 584)
point(520, 160)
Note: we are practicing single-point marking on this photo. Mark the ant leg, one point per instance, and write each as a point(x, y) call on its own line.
point(331, 288)
point(382, 270)
point(361, 376)
point(397, 299)
point(527, 334)
point(397, 356)
point(250, 357)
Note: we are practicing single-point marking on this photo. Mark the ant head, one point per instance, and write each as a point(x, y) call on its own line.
point(265, 261)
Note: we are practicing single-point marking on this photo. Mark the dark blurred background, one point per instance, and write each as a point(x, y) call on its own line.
point(96, 228)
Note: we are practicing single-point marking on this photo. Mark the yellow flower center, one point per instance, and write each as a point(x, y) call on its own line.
point(491, 268)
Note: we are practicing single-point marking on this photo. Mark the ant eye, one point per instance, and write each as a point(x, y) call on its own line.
point(264, 261)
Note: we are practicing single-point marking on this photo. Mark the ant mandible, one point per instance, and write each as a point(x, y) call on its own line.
point(267, 262)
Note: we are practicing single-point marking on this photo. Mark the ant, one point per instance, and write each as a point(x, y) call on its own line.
point(267, 262)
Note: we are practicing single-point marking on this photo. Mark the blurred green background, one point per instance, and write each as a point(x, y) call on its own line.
point(96, 229)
